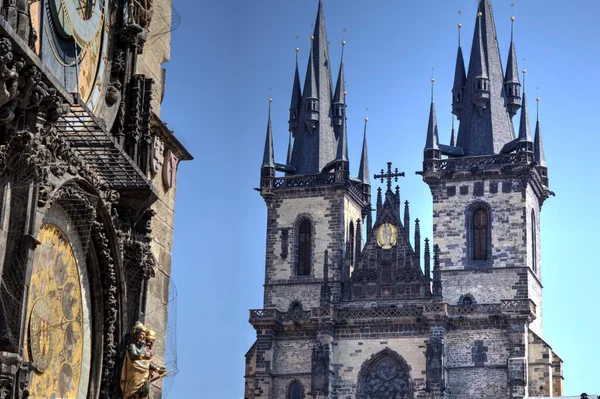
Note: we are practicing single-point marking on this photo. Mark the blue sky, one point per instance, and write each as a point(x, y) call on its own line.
point(226, 55)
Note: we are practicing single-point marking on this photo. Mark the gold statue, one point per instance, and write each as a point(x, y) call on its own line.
point(138, 369)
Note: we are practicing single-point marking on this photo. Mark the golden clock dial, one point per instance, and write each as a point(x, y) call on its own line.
point(58, 336)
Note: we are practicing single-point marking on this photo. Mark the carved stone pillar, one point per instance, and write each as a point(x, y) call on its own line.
point(517, 359)
point(435, 363)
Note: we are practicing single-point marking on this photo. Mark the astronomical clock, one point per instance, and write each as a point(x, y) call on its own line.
point(83, 160)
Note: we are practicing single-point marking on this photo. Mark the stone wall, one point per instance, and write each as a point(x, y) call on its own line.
point(330, 212)
point(157, 50)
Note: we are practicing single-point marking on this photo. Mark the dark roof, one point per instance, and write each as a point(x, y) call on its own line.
point(524, 127)
point(488, 132)
point(432, 141)
point(268, 155)
point(363, 171)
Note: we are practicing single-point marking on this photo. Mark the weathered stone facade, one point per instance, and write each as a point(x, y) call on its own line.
point(377, 317)
point(87, 190)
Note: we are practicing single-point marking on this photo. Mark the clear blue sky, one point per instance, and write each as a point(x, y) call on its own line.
point(225, 57)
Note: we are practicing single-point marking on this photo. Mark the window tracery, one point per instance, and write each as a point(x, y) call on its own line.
point(385, 376)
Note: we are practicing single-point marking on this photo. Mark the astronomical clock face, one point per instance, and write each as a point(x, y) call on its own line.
point(76, 35)
point(58, 335)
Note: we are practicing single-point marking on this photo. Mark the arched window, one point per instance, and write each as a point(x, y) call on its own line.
point(533, 242)
point(467, 301)
point(480, 233)
point(295, 391)
point(304, 248)
point(385, 375)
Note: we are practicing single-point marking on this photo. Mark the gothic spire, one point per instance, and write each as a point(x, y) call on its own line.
point(339, 98)
point(512, 85)
point(342, 148)
point(315, 141)
point(453, 135)
point(485, 125)
point(296, 98)
point(289, 151)
point(437, 275)
point(363, 171)
point(460, 80)
point(524, 127)
point(540, 157)
point(432, 142)
point(268, 155)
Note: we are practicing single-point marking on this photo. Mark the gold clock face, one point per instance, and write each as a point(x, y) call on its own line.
point(79, 32)
point(58, 337)
point(387, 235)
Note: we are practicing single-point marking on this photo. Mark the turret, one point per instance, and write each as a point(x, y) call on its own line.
point(339, 103)
point(432, 150)
point(524, 141)
point(460, 80)
point(538, 146)
point(296, 99)
point(267, 169)
point(310, 97)
point(512, 86)
point(481, 80)
point(363, 171)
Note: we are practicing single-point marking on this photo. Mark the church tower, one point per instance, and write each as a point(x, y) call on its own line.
point(487, 196)
point(363, 313)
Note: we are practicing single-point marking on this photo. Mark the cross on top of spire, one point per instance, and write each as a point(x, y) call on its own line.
point(389, 175)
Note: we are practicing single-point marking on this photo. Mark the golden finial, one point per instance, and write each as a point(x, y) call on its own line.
point(512, 18)
point(344, 37)
point(297, 49)
point(524, 71)
point(479, 14)
point(459, 25)
point(367, 116)
point(345, 92)
point(312, 37)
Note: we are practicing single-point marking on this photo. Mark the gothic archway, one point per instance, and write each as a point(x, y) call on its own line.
point(386, 375)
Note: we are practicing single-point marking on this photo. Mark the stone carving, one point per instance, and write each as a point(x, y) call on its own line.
point(384, 377)
point(320, 369)
point(170, 169)
point(109, 286)
point(138, 368)
point(113, 93)
point(435, 364)
point(158, 154)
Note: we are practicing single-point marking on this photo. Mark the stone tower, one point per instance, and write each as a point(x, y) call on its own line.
point(353, 312)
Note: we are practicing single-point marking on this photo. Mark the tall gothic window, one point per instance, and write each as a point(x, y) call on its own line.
point(533, 242)
point(480, 233)
point(304, 250)
point(295, 391)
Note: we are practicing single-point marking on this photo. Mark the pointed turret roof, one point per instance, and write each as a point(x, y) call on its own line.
point(363, 171)
point(432, 142)
point(487, 132)
point(342, 149)
point(296, 91)
point(268, 155)
point(524, 127)
point(289, 151)
point(453, 135)
point(538, 145)
point(315, 142)
point(340, 87)
point(512, 69)
point(460, 74)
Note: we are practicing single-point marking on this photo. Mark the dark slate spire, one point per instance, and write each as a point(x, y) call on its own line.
point(363, 171)
point(268, 155)
point(296, 98)
point(342, 148)
point(407, 219)
point(511, 80)
point(339, 98)
point(485, 125)
point(524, 126)
point(315, 142)
point(432, 142)
point(453, 135)
point(540, 157)
point(460, 80)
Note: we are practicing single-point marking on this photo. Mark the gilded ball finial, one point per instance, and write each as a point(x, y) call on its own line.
point(312, 37)
point(512, 18)
point(270, 100)
point(297, 49)
point(524, 70)
point(480, 14)
point(366, 118)
point(432, 80)
point(537, 99)
point(459, 25)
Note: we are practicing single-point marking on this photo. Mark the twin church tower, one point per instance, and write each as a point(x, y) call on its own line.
point(356, 305)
